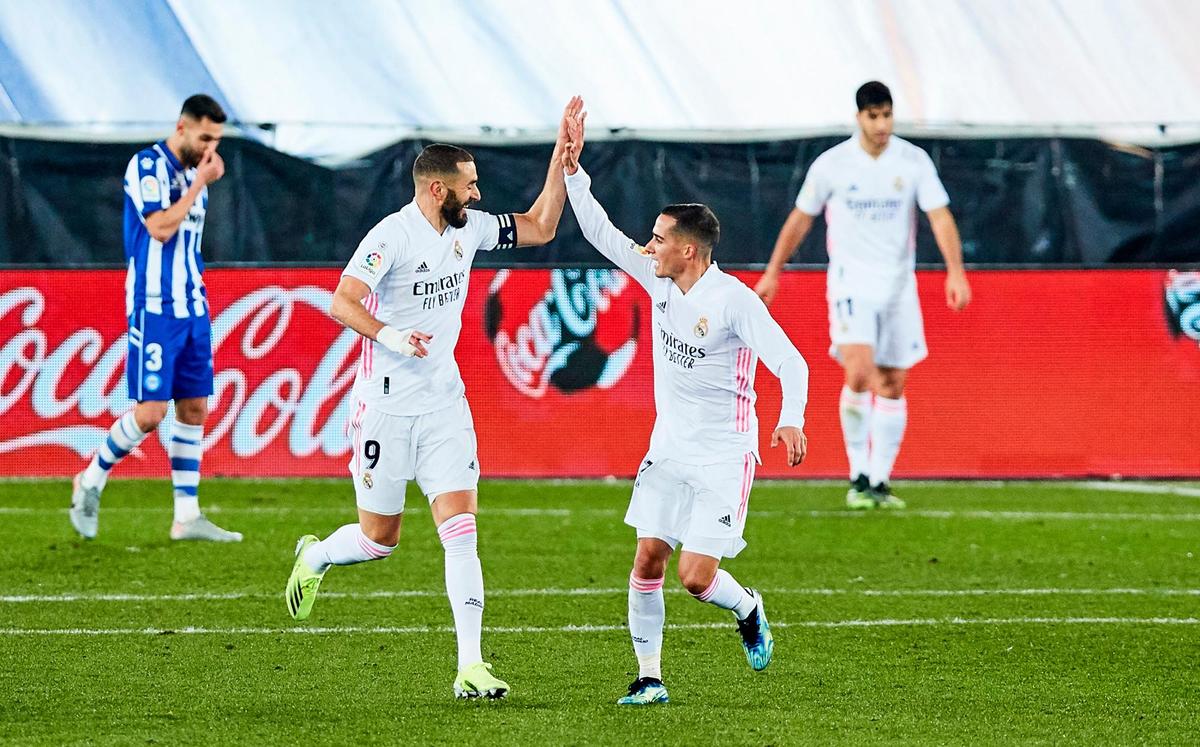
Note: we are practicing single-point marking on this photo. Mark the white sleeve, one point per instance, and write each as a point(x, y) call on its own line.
point(931, 195)
point(751, 322)
point(621, 250)
point(815, 192)
point(495, 231)
point(376, 253)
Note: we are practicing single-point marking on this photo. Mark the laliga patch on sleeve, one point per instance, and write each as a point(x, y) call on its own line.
point(372, 261)
point(150, 189)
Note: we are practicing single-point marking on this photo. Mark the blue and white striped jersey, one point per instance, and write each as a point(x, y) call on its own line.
point(163, 276)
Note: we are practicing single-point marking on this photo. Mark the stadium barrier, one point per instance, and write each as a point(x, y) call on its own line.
point(1047, 374)
point(1018, 201)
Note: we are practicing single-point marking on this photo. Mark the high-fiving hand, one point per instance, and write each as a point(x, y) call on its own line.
point(573, 124)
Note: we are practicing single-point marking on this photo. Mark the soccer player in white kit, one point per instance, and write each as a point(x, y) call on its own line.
point(403, 291)
point(869, 188)
point(693, 487)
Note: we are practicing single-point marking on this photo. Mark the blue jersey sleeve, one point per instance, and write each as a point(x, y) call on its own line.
point(146, 183)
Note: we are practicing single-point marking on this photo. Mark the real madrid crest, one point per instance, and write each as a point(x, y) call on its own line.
point(457, 249)
point(899, 184)
point(368, 481)
point(701, 328)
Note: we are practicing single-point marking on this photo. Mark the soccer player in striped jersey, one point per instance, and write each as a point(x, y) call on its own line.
point(404, 291)
point(170, 340)
point(693, 487)
point(870, 187)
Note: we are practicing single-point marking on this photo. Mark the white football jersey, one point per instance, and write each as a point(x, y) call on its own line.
point(418, 279)
point(870, 214)
point(707, 343)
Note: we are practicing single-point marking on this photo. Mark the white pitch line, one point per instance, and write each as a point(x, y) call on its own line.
point(1139, 487)
point(617, 512)
point(594, 591)
point(418, 630)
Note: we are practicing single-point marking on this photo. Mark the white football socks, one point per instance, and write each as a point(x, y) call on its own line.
point(855, 410)
point(185, 452)
point(725, 592)
point(346, 546)
point(123, 437)
point(647, 613)
point(887, 431)
point(464, 585)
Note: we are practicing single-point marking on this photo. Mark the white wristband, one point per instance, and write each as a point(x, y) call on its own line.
point(397, 341)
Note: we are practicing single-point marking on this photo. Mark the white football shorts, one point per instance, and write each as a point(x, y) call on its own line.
point(895, 329)
point(437, 449)
point(702, 508)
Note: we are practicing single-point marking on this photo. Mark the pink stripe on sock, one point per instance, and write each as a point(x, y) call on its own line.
point(705, 595)
point(856, 398)
point(456, 534)
point(452, 529)
point(645, 584)
point(370, 549)
point(891, 407)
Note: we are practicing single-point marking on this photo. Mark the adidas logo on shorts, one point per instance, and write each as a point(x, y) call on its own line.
point(422, 267)
point(726, 520)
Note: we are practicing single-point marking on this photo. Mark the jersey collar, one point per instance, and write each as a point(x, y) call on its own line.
point(171, 159)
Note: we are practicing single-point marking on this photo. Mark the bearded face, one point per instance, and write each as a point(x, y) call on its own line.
point(454, 209)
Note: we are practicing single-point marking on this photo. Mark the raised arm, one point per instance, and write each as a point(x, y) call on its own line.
point(621, 250)
point(539, 225)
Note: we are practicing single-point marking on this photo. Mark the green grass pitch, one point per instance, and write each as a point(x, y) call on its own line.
point(991, 613)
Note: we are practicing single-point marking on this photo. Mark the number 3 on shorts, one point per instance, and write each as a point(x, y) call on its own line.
point(371, 452)
point(154, 356)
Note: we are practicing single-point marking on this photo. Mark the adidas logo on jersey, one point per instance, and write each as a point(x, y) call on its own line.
point(422, 267)
point(726, 520)
point(662, 305)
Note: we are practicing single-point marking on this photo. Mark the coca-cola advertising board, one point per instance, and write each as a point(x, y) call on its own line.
point(1046, 374)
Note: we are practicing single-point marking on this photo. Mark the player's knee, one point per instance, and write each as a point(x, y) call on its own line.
point(695, 580)
point(149, 415)
point(858, 378)
point(649, 567)
point(193, 412)
point(385, 537)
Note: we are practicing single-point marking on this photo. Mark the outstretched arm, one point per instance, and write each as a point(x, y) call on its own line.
point(539, 225)
point(621, 250)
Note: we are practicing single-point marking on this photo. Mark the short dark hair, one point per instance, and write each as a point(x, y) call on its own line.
point(203, 106)
point(440, 159)
point(872, 94)
point(695, 221)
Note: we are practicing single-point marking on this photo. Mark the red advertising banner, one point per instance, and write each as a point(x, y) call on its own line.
point(1047, 374)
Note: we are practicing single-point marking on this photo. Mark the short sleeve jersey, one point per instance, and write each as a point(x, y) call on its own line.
point(418, 279)
point(870, 207)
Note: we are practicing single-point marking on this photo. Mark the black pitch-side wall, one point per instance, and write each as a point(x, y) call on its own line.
point(1018, 201)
